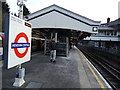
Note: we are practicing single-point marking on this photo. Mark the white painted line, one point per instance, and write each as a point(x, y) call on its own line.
point(97, 72)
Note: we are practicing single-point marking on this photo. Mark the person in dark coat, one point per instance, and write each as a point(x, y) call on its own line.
point(52, 47)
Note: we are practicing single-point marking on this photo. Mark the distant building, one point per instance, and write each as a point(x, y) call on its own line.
point(108, 36)
point(0, 16)
point(4, 8)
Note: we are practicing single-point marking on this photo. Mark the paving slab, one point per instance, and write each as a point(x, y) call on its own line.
point(62, 74)
point(67, 72)
point(34, 85)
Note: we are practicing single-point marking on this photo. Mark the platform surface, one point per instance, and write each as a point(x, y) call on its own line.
point(68, 72)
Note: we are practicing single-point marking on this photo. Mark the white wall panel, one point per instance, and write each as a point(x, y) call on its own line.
point(57, 20)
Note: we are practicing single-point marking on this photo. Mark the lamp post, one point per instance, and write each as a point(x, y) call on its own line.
point(19, 80)
point(20, 3)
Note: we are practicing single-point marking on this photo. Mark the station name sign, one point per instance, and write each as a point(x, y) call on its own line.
point(17, 41)
point(20, 45)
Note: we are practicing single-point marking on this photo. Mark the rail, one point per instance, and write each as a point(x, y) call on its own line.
point(110, 73)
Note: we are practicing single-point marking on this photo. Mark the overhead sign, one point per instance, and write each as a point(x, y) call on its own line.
point(17, 40)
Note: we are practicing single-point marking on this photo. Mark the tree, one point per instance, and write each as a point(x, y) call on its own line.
point(25, 11)
point(5, 7)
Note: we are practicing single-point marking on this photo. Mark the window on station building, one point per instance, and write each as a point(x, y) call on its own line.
point(115, 33)
point(108, 33)
point(105, 33)
point(112, 33)
point(99, 32)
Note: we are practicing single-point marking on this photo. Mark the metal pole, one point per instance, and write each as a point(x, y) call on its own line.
point(56, 37)
point(45, 45)
point(20, 4)
point(67, 46)
point(19, 80)
point(20, 14)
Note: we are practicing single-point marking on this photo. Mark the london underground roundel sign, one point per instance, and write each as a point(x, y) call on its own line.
point(17, 45)
point(17, 41)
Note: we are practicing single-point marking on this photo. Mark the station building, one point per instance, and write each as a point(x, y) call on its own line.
point(67, 27)
point(107, 38)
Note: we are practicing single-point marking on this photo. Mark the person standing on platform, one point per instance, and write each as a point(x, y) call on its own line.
point(52, 47)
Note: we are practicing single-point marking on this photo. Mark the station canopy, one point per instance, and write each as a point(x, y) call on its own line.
point(59, 18)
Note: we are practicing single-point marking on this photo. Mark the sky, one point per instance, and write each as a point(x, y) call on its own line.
point(97, 10)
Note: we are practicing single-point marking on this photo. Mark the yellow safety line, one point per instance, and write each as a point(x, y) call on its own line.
point(98, 80)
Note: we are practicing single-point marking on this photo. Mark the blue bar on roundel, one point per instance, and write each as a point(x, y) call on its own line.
point(20, 45)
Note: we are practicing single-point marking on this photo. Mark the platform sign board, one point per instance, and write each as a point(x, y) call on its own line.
point(17, 41)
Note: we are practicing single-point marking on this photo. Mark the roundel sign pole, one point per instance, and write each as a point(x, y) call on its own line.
point(17, 44)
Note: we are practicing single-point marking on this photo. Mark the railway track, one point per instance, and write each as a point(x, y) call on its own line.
point(109, 72)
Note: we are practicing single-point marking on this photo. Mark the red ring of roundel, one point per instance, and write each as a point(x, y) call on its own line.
point(18, 54)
